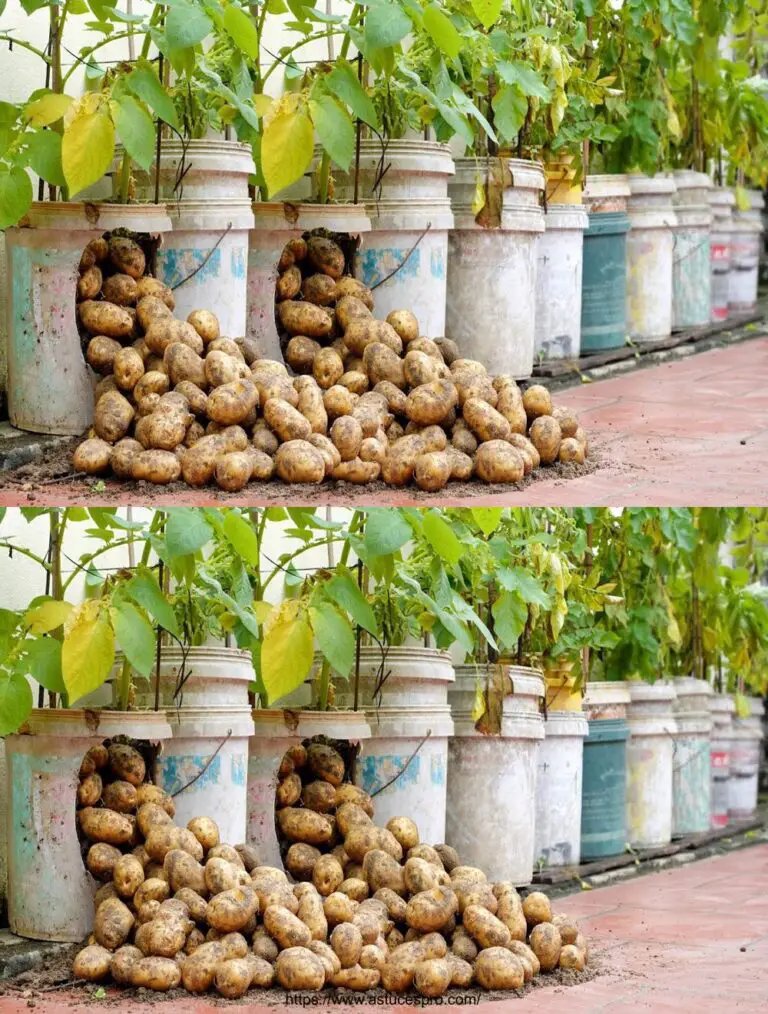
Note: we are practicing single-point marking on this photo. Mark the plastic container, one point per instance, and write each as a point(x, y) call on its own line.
point(721, 708)
point(558, 789)
point(492, 778)
point(691, 775)
point(721, 201)
point(604, 780)
point(691, 263)
point(50, 385)
point(562, 187)
point(604, 282)
point(561, 692)
point(650, 754)
point(491, 304)
point(559, 281)
point(746, 738)
point(746, 235)
point(650, 251)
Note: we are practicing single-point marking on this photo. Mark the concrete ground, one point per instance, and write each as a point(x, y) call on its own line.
point(693, 939)
point(693, 430)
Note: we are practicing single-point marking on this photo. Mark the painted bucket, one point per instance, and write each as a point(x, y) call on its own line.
point(746, 740)
point(561, 185)
point(604, 780)
point(650, 754)
point(721, 708)
point(491, 304)
point(410, 214)
point(691, 267)
point(692, 766)
point(558, 282)
point(492, 779)
point(410, 725)
point(205, 259)
point(275, 731)
point(274, 225)
point(721, 201)
point(561, 692)
point(558, 789)
point(650, 251)
point(50, 385)
point(604, 282)
point(746, 235)
point(50, 892)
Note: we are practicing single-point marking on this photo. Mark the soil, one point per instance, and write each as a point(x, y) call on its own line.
point(52, 473)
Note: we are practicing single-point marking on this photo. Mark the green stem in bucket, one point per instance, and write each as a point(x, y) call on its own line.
point(125, 178)
point(324, 174)
point(324, 685)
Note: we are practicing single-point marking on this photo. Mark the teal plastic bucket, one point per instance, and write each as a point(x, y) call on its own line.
point(603, 792)
point(604, 282)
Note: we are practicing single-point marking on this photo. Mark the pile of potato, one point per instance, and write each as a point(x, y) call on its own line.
point(369, 398)
point(371, 906)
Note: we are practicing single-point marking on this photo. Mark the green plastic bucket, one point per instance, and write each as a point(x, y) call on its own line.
point(604, 282)
point(603, 792)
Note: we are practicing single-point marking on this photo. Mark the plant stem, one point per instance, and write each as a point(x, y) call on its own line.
point(354, 525)
point(324, 175)
point(82, 59)
point(25, 552)
point(5, 37)
point(354, 17)
point(125, 178)
point(280, 61)
point(124, 686)
point(324, 685)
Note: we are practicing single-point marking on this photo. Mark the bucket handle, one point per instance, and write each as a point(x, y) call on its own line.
point(204, 768)
point(404, 768)
point(405, 259)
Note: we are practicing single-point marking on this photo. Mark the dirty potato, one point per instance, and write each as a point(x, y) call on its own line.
point(305, 319)
point(326, 256)
point(546, 437)
point(92, 456)
point(103, 318)
point(157, 467)
point(405, 323)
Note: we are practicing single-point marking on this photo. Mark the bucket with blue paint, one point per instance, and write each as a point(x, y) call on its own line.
point(691, 771)
point(691, 260)
point(604, 781)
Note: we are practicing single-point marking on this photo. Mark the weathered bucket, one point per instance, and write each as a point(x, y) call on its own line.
point(50, 385)
point(274, 225)
point(561, 184)
point(561, 691)
point(491, 303)
point(721, 708)
point(691, 262)
point(205, 259)
point(558, 789)
point(604, 780)
point(205, 764)
point(558, 282)
point(604, 274)
point(492, 778)
point(746, 738)
point(746, 234)
point(650, 753)
point(650, 250)
point(275, 732)
point(404, 187)
point(50, 892)
point(691, 772)
point(721, 201)
point(3, 834)
point(406, 758)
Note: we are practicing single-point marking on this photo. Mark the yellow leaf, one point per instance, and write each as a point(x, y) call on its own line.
point(47, 109)
point(557, 109)
point(287, 147)
point(88, 652)
point(742, 199)
point(263, 104)
point(478, 708)
point(263, 611)
point(47, 616)
point(478, 201)
point(88, 143)
point(286, 651)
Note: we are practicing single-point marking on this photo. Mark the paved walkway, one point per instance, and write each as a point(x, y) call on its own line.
point(693, 940)
point(694, 431)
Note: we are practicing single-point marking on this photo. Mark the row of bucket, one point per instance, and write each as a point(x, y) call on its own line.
point(640, 764)
point(513, 281)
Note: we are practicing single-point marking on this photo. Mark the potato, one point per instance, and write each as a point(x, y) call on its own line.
point(522, 443)
point(220, 876)
point(233, 470)
point(182, 363)
point(581, 436)
point(198, 463)
point(312, 407)
point(432, 977)
point(347, 436)
point(128, 368)
point(221, 368)
point(380, 870)
point(299, 968)
point(122, 964)
point(537, 401)
point(581, 943)
point(312, 914)
point(300, 860)
point(286, 421)
point(183, 870)
point(304, 826)
point(430, 910)
point(405, 830)
point(205, 830)
point(405, 323)
point(546, 437)
point(356, 977)
point(569, 929)
point(128, 875)
point(319, 289)
point(119, 289)
point(231, 910)
point(510, 912)
point(373, 956)
point(151, 889)
point(160, 840)
point(112, 923)
point(353, 885)
point(476, 894)
point(571, 450)
point(164, 936)
point(320, 796)
point(288, 284)
point(264, 946)
point(326, 763)
point(112, 416)
point(326, 256)
point(127, 256)
point(362, 331)
point(148, 286)
point(537, 908)
point(347, 943)
point(463, 946)
point(421, 876)
point(396, 399)
point(498, 461)
point(300, 353)
point(299, 461)
point(349, 308)
point(484, 421)
point(157, 973)
point(105, 825)
point(545, 942)
point(339, 908)
point(531, 964)
point(92, 963)
point(498, 968)
point(429, 404)
point(101, 860)
point(349, 286)
point(484, 927)
point(89, 790)
point(338, 401)
point(96, 251)
point(395, 905)
point(92, 456)
point(286, 928)
point(432, 471)
point(305, 319)
point(149, 309)
point(102, 318)
point(101, 354)
point(419, 368)
point(148, 793)
point(571, 957)
point(327, 368)
point(158, 467)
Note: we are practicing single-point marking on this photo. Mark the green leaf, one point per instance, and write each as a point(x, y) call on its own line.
point(144, 589)
point(145, 84)
point(510, 107)
point(334, 635)
point(287, 148)
point(487, 519)
point(242, 30)
point(509, 617)
point(88, 144)
point(286, 652)
point(385, 530)
point(15, 702)
point(487, 11)
point(47, 616)
point(343, 83)
point(335, 129)
point(516, 72)
point(43, 659)
point(385, 25)
point(343, 589)
point(44, 154)
point(442, 538)
point(135, 129)
point(89, 651)
point(135, 636)
point(47, 109)
point(242, 537)
point(186, 25)
point(186, 531)
point(520, 580)
point(442, 31)
point(15, 195)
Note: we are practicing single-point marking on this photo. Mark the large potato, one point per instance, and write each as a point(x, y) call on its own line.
point(112, 923)
point(326, 763)
point(432, 471)
point(498, 461)
point(92, 456)
point(349, 286)
point(484, 421)
point(149, 814)
point(546, 437)
point(347, 943)
point(339, 908)
point(319, 795)
point(182, 869)
point(419, 369)
point(430, 404)
point(148, 286)
point(182, 363)
point(475, 385)
point(305, 319)
point(498, 968)
point(363, 331)
point(431, 910)
point(165, 331)
point(422, 876)
point(405, 323)
point(312, 407)
point(101, 860)
point(288, 284)
point(356, 977)
point(522, 950)
point(299, 968)
point(537, 908)
point(127, 256)
point(231, 910)
point(152, 889)
point(120, 289)
point(158, 467)
point(327, 368)
point(304, 826)
point(105, 825)
point(347, 435)
point(286, 928)
point(326, 256)
point(233, 977)
point(96, 250)
point(319, 289)
point(537, 401)
point(102, 318)
point(230, 404)
point(122, 964)
point(312, 914)
point(300, 353)
point(102, 352)
point(128, 875)
point(510, 405)
point(205, 830)
point(286, 421)
point(159, 974)
point(433, 977)
point(571, 451)
point(546, 944)
point(92, 963)
point(510, 912)
point(112, 416)
point(300, 860)
point(327, 874)
point(349, 308)
point(150, 308)
point(198, 463)
point(221, 368)
point(484, 927)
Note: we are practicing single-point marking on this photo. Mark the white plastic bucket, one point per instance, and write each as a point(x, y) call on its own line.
point(212, 675)
point(746, 737)
point(606, 192)
point(691, 264)
point(491, 303)
point(606, 700)
point(650, 250)
point(721, 201)
point(410, 725)
point(722, 709)
point(558, 282)
point(746, 233)
point(691, 776)
point(650, 754)
point(50, 892)
point(274, 225)
point(50, 385)
point(206, 255)
point(275, 731)
point(558, 789)
point(492, 779)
